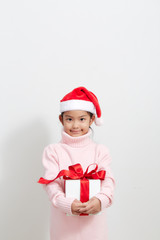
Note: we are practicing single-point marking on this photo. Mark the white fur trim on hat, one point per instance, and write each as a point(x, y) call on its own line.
point(77, 105)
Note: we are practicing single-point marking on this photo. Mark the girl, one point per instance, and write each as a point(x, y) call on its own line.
point(79, 109)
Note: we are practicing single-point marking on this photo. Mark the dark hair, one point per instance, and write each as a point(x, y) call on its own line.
point(91, 114)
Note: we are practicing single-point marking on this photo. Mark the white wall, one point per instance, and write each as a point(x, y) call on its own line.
point(47, 48)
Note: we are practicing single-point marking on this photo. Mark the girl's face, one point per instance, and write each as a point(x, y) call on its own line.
point(76, 122)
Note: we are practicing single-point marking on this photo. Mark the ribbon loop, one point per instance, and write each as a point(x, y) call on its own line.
point(77, 169)
point(91, 172)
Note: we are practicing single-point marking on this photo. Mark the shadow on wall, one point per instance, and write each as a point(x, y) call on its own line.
point(24, 207)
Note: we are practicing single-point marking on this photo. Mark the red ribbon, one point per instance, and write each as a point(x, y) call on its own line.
point(76, 172)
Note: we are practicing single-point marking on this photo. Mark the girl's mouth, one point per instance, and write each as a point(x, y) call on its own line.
point(75, 131)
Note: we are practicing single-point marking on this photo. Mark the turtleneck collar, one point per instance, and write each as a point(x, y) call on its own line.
point(80, 141)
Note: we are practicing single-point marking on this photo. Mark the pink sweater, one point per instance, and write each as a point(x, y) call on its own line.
point(56, 157)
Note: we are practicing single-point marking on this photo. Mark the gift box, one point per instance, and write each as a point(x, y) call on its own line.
point(73, 188)
point(82, 190)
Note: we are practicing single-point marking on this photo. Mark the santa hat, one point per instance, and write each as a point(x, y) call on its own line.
point(82, 99)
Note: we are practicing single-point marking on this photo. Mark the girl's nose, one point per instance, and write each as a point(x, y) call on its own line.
point(75, 124)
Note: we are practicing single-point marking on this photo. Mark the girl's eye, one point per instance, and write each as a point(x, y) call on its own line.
point(82, 119)
point(69, 119)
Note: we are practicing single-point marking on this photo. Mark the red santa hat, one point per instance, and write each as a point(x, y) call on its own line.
point(82, 99)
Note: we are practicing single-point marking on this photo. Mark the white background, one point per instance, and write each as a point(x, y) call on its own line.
point(47, 48)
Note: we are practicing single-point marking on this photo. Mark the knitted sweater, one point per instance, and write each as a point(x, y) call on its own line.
point(56, 157)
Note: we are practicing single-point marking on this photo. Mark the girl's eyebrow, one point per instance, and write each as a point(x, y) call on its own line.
point(67, 116)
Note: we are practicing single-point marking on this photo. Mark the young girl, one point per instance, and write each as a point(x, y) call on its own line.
point(79, 109)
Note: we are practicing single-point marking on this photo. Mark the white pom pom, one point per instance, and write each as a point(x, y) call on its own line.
point(98, 121)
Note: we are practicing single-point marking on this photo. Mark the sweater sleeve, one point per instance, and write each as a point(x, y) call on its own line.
point(108, 184)
point(55, 189)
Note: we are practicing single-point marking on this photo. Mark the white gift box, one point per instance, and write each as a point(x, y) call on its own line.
point(72, 188)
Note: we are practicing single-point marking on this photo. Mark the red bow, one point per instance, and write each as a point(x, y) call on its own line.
point(76, 172)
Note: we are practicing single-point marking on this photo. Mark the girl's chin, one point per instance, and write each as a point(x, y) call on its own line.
point(76, 133)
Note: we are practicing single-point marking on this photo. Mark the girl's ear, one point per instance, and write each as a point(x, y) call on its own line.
point(92, 120)
point(61, 119)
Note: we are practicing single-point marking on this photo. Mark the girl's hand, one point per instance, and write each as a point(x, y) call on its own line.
point(76, 206)
point(93, 206)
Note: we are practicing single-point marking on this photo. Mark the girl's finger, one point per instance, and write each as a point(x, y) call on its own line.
point(85, 210)
point(88, 211)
